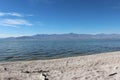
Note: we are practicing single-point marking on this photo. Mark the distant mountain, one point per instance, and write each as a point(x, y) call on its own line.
point(70, 36)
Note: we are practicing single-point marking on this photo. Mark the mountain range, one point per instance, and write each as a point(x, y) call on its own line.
point(69, 36)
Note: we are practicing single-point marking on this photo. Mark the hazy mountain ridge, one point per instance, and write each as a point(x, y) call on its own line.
point(68, 36)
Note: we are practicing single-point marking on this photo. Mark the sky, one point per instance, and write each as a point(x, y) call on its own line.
point(30, 17)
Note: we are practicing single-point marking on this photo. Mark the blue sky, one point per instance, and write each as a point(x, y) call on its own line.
point(29, 17)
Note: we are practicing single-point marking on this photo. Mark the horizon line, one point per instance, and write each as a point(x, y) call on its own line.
point(61, 34)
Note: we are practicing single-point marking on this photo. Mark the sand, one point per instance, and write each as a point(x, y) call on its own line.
point(104, 66)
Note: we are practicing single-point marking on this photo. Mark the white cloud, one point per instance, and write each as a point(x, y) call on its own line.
point(14, 22)
point(14, 14)
point(11, 14)
point(5, 21)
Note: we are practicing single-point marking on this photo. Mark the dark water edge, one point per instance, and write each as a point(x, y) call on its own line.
point(57, 57)
point(27, 50)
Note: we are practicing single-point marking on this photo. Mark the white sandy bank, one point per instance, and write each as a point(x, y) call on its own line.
point(105, 66)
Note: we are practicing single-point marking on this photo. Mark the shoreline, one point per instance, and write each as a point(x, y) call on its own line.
point(54, 58)
point(103, 66)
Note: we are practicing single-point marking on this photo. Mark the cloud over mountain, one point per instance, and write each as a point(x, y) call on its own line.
point(14, 22)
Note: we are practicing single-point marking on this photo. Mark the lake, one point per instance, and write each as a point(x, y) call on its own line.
point(14, 50)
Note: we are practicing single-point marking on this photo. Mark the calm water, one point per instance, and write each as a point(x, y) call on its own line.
point(12, 50)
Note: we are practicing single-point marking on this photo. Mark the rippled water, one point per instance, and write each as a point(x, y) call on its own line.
point(12, 50)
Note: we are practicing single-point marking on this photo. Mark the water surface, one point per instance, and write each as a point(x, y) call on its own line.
point(12, 50)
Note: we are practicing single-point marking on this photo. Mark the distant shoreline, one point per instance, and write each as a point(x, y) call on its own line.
point(66, 36)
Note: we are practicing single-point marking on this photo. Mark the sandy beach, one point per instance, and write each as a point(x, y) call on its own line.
point(105, 66)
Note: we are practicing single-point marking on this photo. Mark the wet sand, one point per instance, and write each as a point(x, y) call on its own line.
point(105, 66)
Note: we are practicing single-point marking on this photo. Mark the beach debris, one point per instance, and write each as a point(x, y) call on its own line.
point(26, 72)
point(43, 77)
point(113, 74)
point(5, 69)
point(39, 71)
